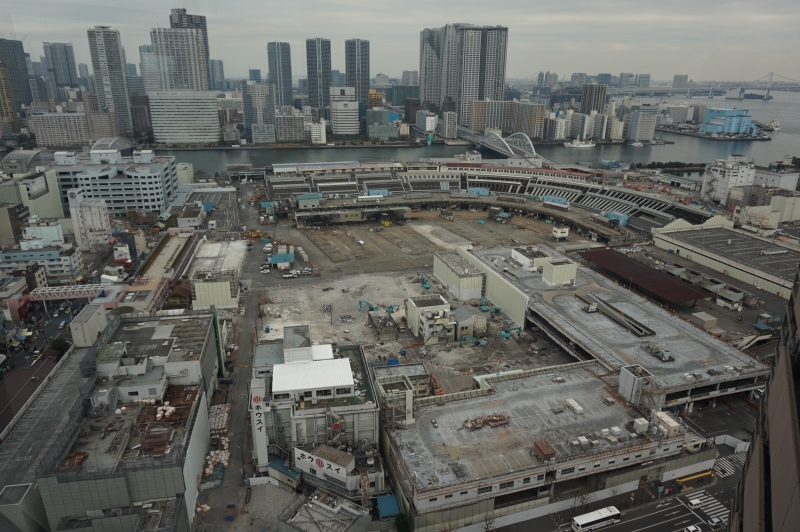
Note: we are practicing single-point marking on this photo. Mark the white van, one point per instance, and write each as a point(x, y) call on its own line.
point(695, 504)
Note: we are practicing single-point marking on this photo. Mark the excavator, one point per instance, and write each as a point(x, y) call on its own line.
point(507, 333)
point(392, 308)
point(369, 306)
point(484, 308)
point(425, 284)
point(478, 343)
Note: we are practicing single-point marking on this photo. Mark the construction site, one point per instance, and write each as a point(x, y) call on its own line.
point(349, 311)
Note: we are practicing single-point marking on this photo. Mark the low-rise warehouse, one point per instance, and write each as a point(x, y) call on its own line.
point(749, 258)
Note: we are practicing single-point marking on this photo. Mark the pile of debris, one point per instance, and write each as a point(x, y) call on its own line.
point(255, 234)
point(219, 419)
point(221, 456)
point(492, 420)
point(346, 318)
point(327, 308)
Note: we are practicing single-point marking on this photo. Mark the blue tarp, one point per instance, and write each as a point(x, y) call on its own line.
point(208, 205)
point(762, 326)
point(479, 191)
point(387, 506)
point(265, 204)
point(555, 199)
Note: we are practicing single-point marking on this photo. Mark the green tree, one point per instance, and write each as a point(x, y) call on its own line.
point(402, 523)
point(60, 345)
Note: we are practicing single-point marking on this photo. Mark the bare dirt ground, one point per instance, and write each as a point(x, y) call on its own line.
point(330, 307)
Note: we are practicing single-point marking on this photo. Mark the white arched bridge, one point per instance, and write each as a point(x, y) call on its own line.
point(517, 145)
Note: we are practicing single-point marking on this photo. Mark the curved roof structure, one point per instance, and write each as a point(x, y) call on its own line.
point(20, 161)
point(111, 143)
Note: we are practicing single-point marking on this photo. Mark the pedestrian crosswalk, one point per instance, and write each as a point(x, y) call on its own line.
point(711, 506)
point(729, 465)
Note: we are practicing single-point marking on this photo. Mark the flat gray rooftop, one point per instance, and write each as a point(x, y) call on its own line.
point(108, 438)
point(297, 336)
point(268, 354)
point(411, 370)
point(530, 401)
point(86, 314)
point(610, 343)
point(180, 338)
point(458, 264)
point(747, 250)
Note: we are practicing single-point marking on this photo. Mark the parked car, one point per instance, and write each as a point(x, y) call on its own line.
point(715, 522)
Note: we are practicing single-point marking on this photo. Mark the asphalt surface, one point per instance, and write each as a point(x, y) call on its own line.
point(30, 370)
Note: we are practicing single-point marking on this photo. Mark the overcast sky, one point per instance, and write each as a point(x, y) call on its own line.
point(712, 39)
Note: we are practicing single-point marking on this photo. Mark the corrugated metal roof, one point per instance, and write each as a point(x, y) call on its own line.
point(312, 375)
point(658, 283)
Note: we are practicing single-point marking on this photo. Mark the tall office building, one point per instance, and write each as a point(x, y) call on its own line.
point(680, 81)
point(318, 64)
point(180, 59)
point(604, 79)
point(132, 69)
point(460, 63)
point(8, 109)
point(593, 98)
point(178, 18)
point(59, 63)
point(642, 80)
point(83, 70)
point(184, 117)
point(148, 66)
point(13, 55)
point(108, 64)
point(255, 74)
point(540, 79)
point(217, 74)
point(356, 60)
point(410, 77)
point(279, 59)
point(258, 105)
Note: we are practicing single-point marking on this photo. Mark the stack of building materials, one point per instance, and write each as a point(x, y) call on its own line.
point(219, 419)
point(220, 456)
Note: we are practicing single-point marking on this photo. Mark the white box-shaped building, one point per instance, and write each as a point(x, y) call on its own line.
point(313, 380)
point(559, 272)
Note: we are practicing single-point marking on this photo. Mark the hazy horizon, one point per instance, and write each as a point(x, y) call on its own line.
point(717, 41)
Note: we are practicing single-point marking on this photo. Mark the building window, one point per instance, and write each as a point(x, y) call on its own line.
point(638, 456)
point(307, 394)
point(323, 393)
point(281, 396)
point(464, 493)
point(625, 459)
point(504, 485)
point(526, 480)
point(597, 465)
point(567, 470)
point(343, 391)
point(448, 496)
point(313, 471)
point(540, 477)
point(371, 484)
point(485, 489)
point(433, 499)
point(611, 462)
point(582, 468)
point(133, 393)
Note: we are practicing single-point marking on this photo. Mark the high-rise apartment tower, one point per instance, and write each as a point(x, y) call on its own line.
point(356, 57)
point(318, 63)
point(279, 59)
point(108, 64)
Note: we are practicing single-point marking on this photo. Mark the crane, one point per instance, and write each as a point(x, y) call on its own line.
point(507, 333)
point(369, 306)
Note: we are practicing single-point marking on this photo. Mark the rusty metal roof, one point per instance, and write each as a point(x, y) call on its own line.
point(660, 284)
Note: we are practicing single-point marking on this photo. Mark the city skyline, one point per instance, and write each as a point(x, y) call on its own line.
point(659, 39)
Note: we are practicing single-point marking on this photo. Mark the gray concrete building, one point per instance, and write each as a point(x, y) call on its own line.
point(279, 59)
point(318, 65)
point(108, 65)
point(356, 58)
point(59, 63)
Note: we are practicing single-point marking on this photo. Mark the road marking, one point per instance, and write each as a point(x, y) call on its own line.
point(657, 524)
point(642, 517)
